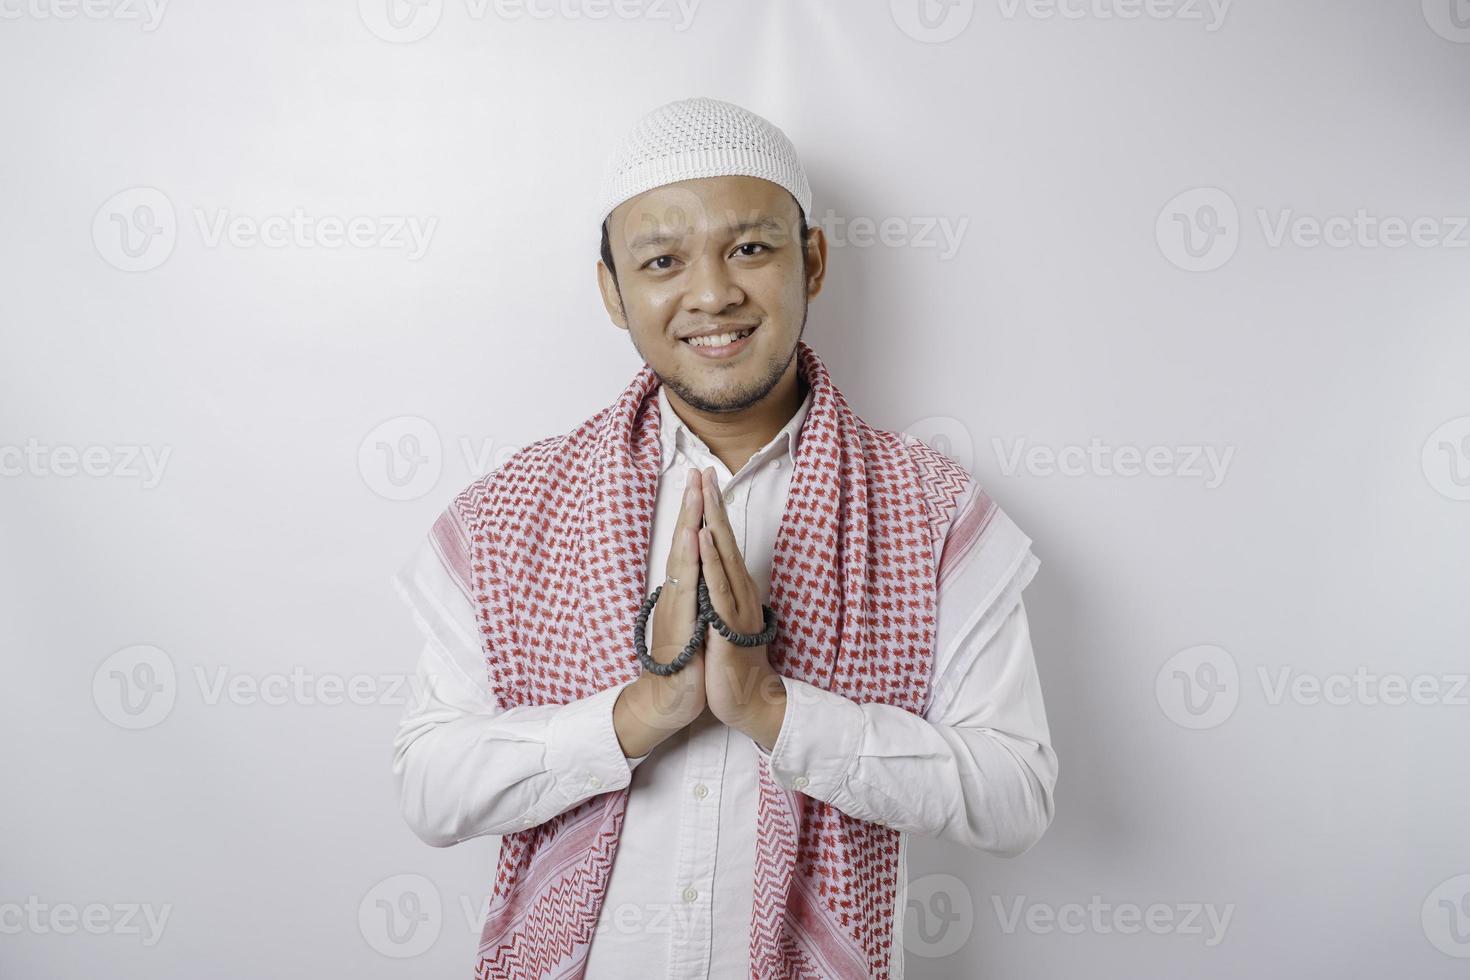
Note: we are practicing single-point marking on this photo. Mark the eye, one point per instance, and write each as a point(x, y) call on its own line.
point(759, 245)
point(662, 268)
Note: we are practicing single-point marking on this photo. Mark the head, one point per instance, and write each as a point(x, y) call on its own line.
point(712, 252)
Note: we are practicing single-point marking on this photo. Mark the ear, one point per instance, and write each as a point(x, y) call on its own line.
point(612, 299)
point(816, 260)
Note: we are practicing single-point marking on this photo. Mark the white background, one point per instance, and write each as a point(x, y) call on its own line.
point(1055, 141)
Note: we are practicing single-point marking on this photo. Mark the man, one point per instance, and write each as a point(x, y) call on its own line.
point(708, 806)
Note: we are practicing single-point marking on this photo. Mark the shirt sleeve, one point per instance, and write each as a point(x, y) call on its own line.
point(977, 767)
point(464, 767)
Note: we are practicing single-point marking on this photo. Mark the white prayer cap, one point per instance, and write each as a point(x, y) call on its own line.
point(700, 137)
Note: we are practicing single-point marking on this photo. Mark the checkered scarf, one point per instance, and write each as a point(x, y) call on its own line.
point(555, 543)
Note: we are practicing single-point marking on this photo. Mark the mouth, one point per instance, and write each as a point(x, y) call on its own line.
point(720, 345)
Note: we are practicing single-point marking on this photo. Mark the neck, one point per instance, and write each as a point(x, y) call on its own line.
point(734, 437)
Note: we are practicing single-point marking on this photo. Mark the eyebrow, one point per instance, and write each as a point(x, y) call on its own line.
point(660, 238)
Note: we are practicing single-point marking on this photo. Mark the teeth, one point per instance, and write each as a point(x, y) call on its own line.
point(717, 340)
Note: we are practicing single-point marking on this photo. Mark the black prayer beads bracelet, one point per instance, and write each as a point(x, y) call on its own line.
point(706, 617)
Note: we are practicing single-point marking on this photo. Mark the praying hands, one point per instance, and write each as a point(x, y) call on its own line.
point(741, 687)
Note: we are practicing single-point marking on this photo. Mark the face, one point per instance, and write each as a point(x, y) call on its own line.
point(717, 253)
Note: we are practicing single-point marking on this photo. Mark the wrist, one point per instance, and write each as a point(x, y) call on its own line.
point(670, 701)
point(646, 713)
point(763, 725)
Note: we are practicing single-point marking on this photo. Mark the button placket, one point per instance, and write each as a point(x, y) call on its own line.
point(738, 527)
point(689, 947)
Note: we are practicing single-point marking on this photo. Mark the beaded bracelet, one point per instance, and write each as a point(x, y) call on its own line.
point(706, 617)
point(707, 610)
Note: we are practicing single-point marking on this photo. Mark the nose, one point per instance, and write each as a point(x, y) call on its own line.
point(712, 290)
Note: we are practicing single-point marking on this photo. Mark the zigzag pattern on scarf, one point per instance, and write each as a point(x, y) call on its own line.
point(555, 927)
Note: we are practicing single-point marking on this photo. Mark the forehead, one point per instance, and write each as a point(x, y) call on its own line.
point(704, 203)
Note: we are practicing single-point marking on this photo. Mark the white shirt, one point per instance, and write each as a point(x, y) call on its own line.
point(976, 769)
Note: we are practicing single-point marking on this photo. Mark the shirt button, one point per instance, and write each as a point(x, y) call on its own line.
point(729, 496)
point(701, 791)
point(593, 781)
point(775, 464)
point(690, 894)
point(799, 782)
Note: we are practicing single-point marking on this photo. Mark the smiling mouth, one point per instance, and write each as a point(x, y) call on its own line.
point(720, 340)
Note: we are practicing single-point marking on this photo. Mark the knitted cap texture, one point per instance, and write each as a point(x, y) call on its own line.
point(700, 137)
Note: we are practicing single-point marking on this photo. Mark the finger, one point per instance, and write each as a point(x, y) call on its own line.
point(683, 560)
point(721, 595)
point(685, 600)
point(681, 600)
point(677, 609)
point(719, 523)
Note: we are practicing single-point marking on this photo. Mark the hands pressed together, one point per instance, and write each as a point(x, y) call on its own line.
point(737, 684)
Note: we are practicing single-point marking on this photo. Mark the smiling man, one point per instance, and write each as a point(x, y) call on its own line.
point(707, 660)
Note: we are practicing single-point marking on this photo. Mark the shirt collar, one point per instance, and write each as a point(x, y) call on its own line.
point(675, 436)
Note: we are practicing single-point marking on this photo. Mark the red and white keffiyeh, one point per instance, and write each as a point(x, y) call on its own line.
point(556, 546)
